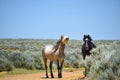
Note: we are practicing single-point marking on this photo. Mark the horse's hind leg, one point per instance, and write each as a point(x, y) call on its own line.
point(45, 62)
point(51, 62)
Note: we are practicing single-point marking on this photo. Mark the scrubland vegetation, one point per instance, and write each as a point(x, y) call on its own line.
point(103, 64)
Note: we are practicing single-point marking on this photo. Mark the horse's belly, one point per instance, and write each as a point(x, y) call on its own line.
point(51, 57)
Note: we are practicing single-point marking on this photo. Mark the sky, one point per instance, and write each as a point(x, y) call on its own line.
point(49, 19)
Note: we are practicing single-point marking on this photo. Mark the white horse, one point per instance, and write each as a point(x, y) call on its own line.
point(55, 53)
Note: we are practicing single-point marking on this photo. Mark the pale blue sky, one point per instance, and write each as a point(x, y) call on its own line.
point(48, 19)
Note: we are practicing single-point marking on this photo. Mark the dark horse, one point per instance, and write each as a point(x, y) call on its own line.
point(87, 46)
point(55, 53)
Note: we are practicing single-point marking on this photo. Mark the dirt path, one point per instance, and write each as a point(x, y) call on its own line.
point(75, 75)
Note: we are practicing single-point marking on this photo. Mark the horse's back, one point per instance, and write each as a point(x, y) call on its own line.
point(48, 53)
point(48, 49)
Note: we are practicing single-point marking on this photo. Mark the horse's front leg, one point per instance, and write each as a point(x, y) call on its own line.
point(83, 54)
point(60, 64)
point(51, 72)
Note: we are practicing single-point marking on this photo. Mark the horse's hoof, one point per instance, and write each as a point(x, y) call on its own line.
point(59, 76)
point(52, 77)
point(47, 77)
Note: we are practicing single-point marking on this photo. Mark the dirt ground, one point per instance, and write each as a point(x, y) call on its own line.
point(67, 75)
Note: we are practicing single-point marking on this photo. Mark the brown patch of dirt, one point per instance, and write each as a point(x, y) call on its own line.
point(67, 75)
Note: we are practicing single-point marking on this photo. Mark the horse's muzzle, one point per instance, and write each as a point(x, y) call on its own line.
point(66, 40)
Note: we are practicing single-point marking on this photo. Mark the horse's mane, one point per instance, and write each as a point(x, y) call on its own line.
point(57, 45)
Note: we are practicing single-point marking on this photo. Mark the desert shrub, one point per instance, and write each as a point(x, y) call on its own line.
point(38, 61)
point(5, 64)
point(104, 63)
point(21, 60)
point(4, 53)
point(67, 63)
point(73, 55)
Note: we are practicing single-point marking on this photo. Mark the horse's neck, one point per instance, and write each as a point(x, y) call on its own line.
point(92, 45)
point(89, 44)
point(60, 49)
point(55, 48)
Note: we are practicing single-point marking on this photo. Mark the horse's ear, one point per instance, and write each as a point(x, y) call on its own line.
point(84, 35)
point(62, 37)
point(90, 37)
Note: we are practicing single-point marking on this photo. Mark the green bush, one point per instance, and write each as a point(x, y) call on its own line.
point(22, 60)
point(104, 63)
point(38, 60)
point(5, 64)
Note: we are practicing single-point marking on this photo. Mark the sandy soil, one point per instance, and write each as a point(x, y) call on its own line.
point(74, 75)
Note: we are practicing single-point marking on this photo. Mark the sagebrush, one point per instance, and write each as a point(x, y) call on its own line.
point(103, 64)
